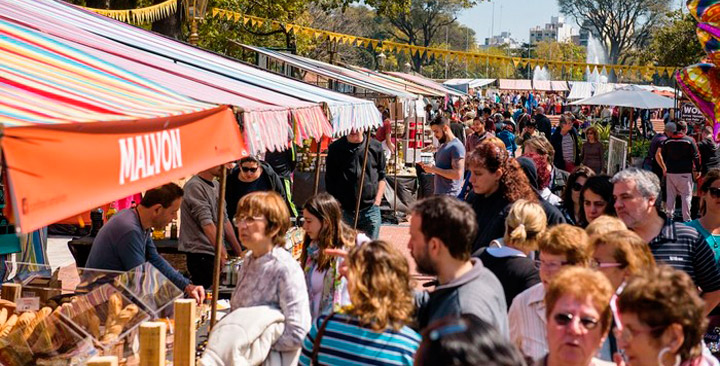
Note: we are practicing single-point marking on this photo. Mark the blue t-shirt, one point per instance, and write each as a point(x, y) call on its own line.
point(712, 240)
point(444, 157)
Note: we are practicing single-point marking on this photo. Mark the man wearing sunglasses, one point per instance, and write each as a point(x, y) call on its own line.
point(635, 193)
point(254, 175)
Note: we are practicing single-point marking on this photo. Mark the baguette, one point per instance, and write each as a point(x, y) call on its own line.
point(39, 317)
point(3, 317)
point(24, 320)
point(115, 328)
point(114, 309)
point(8, 326)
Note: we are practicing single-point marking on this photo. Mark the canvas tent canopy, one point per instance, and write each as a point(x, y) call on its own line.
point(468, 83)
point(631, 96)
point(346, 112)
point(510, 84)
point(80, 132)
point(418, 79)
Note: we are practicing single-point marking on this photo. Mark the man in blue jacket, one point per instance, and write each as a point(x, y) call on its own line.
point(125, 242)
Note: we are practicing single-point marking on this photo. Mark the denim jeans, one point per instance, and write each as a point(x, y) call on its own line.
point(369, 220)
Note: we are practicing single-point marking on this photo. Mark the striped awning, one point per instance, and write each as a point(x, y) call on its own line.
point(417, 79)
point(80, 132)
point(346, 112)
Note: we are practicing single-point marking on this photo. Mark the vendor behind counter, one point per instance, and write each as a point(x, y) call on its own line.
point(125, 242)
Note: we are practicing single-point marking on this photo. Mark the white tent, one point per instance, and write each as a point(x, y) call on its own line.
point(580, 90)
point(631, 96)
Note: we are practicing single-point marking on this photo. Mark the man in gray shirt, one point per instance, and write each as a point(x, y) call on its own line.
point(198, 223)
point(442, 230)
point(449, 168)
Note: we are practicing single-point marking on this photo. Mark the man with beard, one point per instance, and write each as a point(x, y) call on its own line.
point(442, 230)
point(449, 168)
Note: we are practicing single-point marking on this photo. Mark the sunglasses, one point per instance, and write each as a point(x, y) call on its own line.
point(577, 187)
point(249, 170)
point(563, 319)
point(714, 192)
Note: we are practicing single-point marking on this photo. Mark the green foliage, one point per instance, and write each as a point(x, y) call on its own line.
point(640, 148)
point(562, 51)
point(675, 43)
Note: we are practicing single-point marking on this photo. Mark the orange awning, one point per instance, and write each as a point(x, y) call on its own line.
point(57, 171)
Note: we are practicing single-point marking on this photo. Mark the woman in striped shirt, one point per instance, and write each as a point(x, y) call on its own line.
point(373, 330)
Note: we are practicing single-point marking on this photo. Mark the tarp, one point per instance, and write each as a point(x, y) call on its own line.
point(341, 74)
point(80, 132)
point(393, 81)
point(581, 90)
point(631, 96)
point(471, 83)
point(510, 84)
point(542, 85)
point(419, 79)
point(559, 85)
point(346, 112)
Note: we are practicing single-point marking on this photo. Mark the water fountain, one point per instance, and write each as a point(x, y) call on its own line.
point(541, 73)
point(595, 55)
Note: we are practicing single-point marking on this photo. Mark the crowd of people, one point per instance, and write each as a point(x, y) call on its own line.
point(536, 257)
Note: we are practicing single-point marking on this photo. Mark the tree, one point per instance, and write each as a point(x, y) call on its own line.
point(674, 44)
point(561, 51)
point(421, 23)
point(621, 25)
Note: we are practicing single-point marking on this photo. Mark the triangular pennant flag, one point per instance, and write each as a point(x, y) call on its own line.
point(516, 61)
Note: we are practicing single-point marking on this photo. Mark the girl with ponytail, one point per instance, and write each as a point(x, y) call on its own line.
point(507, 257)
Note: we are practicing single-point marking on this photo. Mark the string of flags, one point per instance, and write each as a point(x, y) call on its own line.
point(141, 15)
point(646, 71)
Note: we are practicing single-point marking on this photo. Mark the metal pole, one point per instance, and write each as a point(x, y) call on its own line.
point(362, 178)
point(218, 243)
point(395, 194)
point(317, 166)
point(631, 126)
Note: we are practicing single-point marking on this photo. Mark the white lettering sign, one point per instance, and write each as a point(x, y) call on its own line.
point(150, 154)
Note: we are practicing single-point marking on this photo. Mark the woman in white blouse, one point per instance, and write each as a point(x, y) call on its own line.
point(270, 275)
point(325, 229)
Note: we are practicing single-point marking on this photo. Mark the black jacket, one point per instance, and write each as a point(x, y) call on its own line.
point(543, 125)
point(233, 195)
point(556, 141)
point(343, 169)
point(709, 155)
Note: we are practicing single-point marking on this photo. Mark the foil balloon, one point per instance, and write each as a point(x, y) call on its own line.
point(705, 11)
point(709, 38)
point(701, 83)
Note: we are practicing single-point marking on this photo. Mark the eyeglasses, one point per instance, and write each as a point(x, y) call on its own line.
point(627, 334)
point(247, 220)
point(563, 319)
point(577, 187)
point(714, 192)
point(438, 333)
point(552, 265)
point(249, 170)
point(596, 264)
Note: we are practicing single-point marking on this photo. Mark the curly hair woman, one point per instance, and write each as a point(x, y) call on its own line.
point(374, 329)
point(497, 181)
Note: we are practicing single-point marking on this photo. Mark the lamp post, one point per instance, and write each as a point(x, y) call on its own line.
point(381, 61)
point(195, 11)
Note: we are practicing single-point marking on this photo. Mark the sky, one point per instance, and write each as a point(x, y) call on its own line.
point(516, 16)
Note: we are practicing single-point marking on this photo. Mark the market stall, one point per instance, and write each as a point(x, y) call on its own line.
point(93, 132)
point(468, 85)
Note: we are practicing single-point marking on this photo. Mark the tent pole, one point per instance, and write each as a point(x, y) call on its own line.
point(317, 165)
point(631, 126)
point(218, 243)
point(397, 151)
point(362, 178)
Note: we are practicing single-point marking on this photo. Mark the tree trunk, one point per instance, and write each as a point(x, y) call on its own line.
point(170, 26)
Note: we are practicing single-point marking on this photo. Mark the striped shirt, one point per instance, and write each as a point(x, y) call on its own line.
point(528, 326)
point(346, 342)
point(682, 247)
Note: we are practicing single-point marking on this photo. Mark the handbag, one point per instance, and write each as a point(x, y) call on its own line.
point(318, 337)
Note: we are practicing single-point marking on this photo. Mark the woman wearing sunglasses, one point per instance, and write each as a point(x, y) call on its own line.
point(571, 204)
point(466, 341)
point(596, 198)
point(374, 329)
point(270, 275)
point(325, 229)
point(709, 224)
point(578, 317)
point(593, 151)
point(661, 320)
